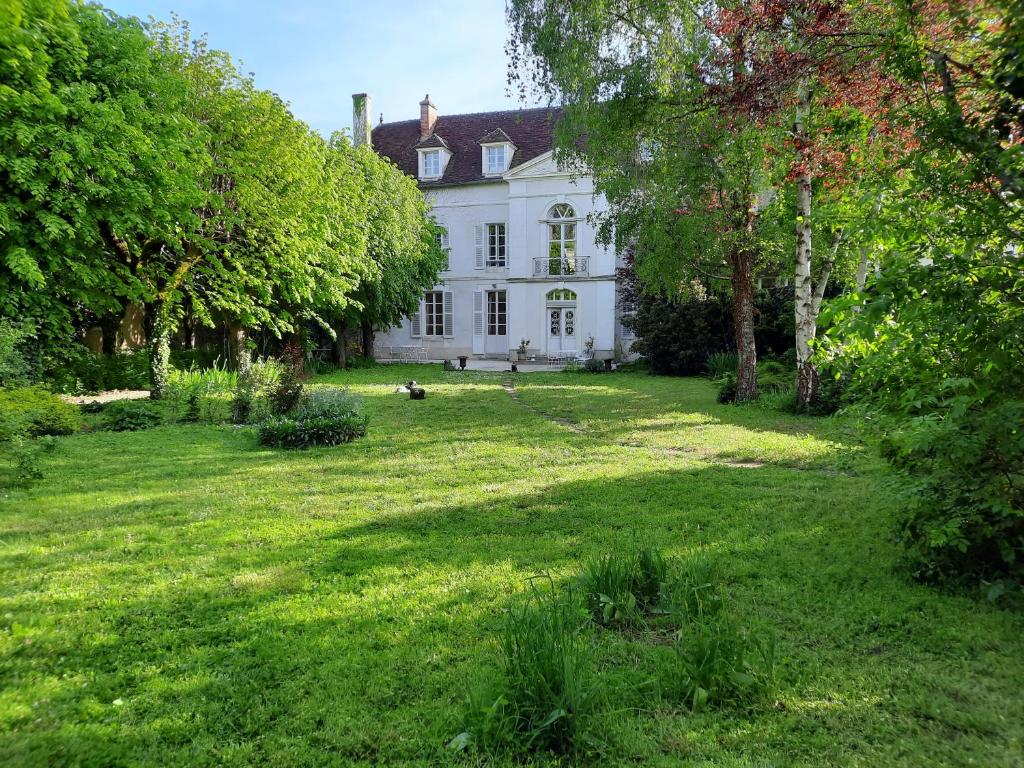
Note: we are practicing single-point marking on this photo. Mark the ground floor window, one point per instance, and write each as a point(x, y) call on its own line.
point(497, 313)
point(433, 313)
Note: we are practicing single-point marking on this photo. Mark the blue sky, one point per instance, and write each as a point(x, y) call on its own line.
point(316, 53)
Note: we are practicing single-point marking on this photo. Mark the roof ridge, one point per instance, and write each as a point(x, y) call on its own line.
point(442, 115)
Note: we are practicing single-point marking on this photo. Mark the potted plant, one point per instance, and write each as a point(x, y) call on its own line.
point(520, 352)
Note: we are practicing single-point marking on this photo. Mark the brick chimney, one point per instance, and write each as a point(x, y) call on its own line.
point(428, 116)
point(361, 131)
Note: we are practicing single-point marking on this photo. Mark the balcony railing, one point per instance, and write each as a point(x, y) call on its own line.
point(548, 267)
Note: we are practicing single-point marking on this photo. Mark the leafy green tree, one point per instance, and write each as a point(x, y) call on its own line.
point(932, 345)
point(78, 127)
point(274, 239)
point(688, 180)
point(404, 255)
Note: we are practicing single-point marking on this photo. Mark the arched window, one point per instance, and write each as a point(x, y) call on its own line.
point(561, 240)
point(561, 294)
point(561, 211)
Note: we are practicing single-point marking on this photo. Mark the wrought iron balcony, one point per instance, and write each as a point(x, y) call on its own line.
point(549, 267)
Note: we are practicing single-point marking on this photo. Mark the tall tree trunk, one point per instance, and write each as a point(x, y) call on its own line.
point(862, 271)
point(109, 325)
point(159, 352)
point(805, 315)
point(864, 263)
point(236, 342)
point(367, 340)
point(339, 352)
point(743, 324)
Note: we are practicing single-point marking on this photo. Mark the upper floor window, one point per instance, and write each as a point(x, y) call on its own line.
point(496, 159)
point(443, 243)
point(496, 245)
point(432, 164)
point(561, 232)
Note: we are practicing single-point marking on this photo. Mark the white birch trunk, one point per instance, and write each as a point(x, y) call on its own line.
point(805, 314)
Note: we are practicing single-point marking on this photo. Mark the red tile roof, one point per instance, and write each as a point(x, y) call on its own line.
point(530, 130)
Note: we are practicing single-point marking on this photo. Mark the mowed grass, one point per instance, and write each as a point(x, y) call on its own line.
point(183, 596)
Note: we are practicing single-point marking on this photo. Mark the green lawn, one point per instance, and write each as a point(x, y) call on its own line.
point(183, 596)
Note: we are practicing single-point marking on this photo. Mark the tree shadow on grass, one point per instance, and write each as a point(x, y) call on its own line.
point(353, 642)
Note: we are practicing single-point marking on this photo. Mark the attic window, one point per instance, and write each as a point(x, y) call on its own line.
point(496, 159)
point(432, 164)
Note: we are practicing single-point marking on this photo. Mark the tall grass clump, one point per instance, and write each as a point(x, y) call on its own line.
point(716, 661)
point(719, 364)
point(216, 379)
point(623, 588)
point(545, 687)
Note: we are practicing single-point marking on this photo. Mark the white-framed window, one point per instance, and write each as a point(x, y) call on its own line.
point(433, 313)
point(497, 313)
point(496, 159)
point(562, 239)
point(496, 245)
point(431, 163)
point(444, 245)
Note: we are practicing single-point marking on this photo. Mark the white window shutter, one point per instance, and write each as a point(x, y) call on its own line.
point(449, 315)
point(478, 322)
point(479, 246)
point(417, 321)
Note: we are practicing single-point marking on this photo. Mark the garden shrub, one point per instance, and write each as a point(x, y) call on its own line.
point(773, 377)
point(546, 686)
point(288, 432)
point(323, 417)
point(678, 335)
point(727, 386)
point(941, 391)
point(962, 494)
point(326, 401)
point(34, 411)
point(254, 380)
point(593, 365)
point(214, 379)
point(131, 415)
point(14, 367)
point(286, 395)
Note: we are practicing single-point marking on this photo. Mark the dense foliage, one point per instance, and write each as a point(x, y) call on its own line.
point(894, 130)
point(677, 335)
point(34, 411)
point(131, 415)
point(323, 417)
point(141, 170)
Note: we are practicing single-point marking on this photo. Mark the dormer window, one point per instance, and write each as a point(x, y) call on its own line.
point(433, 157)
point(497, 150)
point(432, 164)
point(496, 163)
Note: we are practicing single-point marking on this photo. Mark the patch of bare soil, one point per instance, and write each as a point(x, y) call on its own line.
point(108, 396)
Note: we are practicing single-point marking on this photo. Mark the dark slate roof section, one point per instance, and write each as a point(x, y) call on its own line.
point(496, 136)
point(431, 142)
point(529, 129)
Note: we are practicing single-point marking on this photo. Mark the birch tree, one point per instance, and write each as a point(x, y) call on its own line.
point(685, 173)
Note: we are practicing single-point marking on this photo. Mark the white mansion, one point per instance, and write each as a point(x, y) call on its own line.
point(523, 263)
